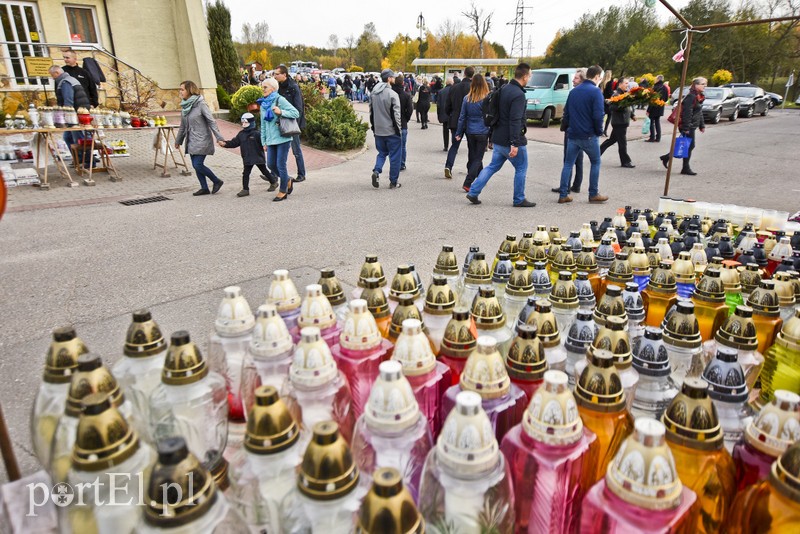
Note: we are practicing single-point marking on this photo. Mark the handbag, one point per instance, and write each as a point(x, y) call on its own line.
point(646, 126)
point(674, 116)
point(288, 127)
point(682, 145)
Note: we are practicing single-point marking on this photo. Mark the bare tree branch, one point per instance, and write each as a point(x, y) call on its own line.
point(479, 24)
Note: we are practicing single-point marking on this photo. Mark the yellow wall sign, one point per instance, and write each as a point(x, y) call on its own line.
point(34, 36)
point(38, 66)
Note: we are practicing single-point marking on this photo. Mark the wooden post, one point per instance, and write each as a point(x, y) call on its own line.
point(678, 112)
point(7, 450)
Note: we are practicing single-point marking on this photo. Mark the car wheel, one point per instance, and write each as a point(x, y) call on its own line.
point(546, 116)
point(766, 110)
point(717, 117)
point(734, 115)
point(749, 112)
point(771, 103)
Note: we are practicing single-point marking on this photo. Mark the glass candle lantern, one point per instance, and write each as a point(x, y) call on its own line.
point(283, 294)
point(651, 360)
point(389, 506)
point(683, 342)
point(490, 320)
point(477, 274)
point(579, 339)
point(332, 289)
point(709, 304)
point(517, 291)
point(728, 389)
point(526, 362)
point(782, 361)
point(403, 283)
point(440, 300)
point(377, 305)
point(766, 314)
point(316, 311)
point(460, 339)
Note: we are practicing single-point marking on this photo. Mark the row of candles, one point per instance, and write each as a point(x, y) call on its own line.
point(501, 398)
point(67, 117)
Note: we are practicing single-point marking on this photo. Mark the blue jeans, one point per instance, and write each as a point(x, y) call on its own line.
point(499, 157)
point(575, 147)
point(451, 154)
point(576, 183)
point(276, 161)
point(203, 172)
point(404, 139)
point(298, 155)
point(388, 146)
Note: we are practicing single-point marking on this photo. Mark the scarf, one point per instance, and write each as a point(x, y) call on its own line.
point(186, 105)
point(267, 102)
point(698, 97)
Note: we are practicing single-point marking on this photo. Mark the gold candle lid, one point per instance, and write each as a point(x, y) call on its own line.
point(271, 337)
point(663, 279)
point(439, 299)
point(460, 335)
point(316, 310)
point(643, 471)
point(282, 292)
point(406, 309)
point(510, 246)
point(403, 283)
point(525, 243)
point(526, 358)
point(586, 261)
point(327, 471)
point(683, 268)
point(682, 328)
point(785, 473)
point(104, 439)
point(620, 270)
point(613, 338)
point(413, 350)
point(784, 287)
point(184, 363)
point(485, 373)
point(738, 330)
point(144, 337)
point(177, 472)
point(312, 364)
point(777, 425)
point(545, 322)
point(764, 299)
point(611, 305)
point(270, 426)
point(542, 235)
point(331, 287)
point(388, 508)
point(537, 252)
point(90, 377)
point(360, 331)
point(446, 262)
point(376, 298)
point(391, 406)
point(467, 445)
point(564, 294)
point(486, 309)
point(730, 278)
point(552, 416)
point(554, 233)
point(371, 269)
point(520, 284)
point(61, 361)
point(640, 264)
point(789, 336)
point(599, 387)
point(710, 288)
point(564, 260)
point(691, 418)
point(234, 317)
point(478, 271)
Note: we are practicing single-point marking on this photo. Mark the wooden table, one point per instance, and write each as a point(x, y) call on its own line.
point(47, 144)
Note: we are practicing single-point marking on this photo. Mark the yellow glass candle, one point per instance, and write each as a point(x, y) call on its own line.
point(660, 295)
point(709, 304)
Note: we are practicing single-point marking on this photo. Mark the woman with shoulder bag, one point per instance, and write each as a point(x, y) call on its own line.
point(197, 129)
point(471, 121)
point(691, 119)
point(273, 108)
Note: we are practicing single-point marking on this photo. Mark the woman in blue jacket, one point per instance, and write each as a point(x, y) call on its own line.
point(471, 121)
point(276, 146)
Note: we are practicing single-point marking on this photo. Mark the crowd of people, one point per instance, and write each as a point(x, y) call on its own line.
point(462, 105)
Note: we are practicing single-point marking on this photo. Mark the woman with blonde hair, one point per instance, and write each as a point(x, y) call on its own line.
point(274, 106)
point(197, 129)
point(423, 104)
point(470, 121)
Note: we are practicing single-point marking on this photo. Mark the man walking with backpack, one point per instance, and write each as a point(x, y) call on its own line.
point(508, 136)
point(384, 116)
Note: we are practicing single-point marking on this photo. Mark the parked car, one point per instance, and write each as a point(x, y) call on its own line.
point(547, 93)
point(674, 96)
point(752, 99)
point(720, 103)
point(774, 99)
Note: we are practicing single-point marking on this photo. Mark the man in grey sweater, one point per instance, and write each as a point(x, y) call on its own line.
point(384, 118)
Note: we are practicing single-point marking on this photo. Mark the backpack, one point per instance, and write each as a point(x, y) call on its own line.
point(490, 108)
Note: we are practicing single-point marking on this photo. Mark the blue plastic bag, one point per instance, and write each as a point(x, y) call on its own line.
point(682, 145)
point(646, 126)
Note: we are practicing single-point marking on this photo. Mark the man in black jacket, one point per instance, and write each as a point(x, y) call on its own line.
point(621, 117)
point(71, 67)
point(453, 109)
point(289, 90)
point(70, 93)
point(508, 136)
point(441, 112)
point(406, 109)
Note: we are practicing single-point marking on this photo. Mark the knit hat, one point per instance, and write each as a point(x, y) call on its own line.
point(248, 117)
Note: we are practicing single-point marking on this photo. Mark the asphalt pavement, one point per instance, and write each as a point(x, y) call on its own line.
point(92, 264)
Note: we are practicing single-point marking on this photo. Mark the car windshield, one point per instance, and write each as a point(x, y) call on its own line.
point(542, 80)
point(747, 92)
point(714, 93)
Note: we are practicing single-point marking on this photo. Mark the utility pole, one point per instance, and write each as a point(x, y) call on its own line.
point(421, 27)
point(518, 42)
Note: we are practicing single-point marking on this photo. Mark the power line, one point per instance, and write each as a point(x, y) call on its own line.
point(518, 42)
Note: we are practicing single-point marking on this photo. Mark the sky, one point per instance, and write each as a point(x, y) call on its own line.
point(311, 22)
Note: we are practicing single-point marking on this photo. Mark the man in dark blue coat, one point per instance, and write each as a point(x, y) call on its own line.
point(584, 112)
point(508, 136)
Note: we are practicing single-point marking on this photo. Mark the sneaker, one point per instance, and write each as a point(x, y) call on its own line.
point(217, 187)
point(525, 204)
point(375, 177)
point(465, 188)
point(447, 173)
point(395, 185)
point(201, 192)
point(299, 179)
point(598, 199)
point(565, 200)
point(243, 193)
point(474, 200)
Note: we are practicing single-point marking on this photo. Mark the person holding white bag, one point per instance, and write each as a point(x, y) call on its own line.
point(273, 108)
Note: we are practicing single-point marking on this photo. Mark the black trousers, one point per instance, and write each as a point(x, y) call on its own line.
point(446, 135)
point(246, 173)
point(476, 146)
point(690, 134)
point(618, 136)
point(655, 128)
point(423, 113)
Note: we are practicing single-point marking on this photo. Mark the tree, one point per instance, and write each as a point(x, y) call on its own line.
point(260, 56)
point(369, 49)
point(333, 43)
point(402, 52)
point(257, 34)
point(444, 43)
point(479, 24)
point(223, 53)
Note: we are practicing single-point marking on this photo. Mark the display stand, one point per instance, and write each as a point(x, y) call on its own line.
point(166, 135)
point(86, 150)
point(45, 137)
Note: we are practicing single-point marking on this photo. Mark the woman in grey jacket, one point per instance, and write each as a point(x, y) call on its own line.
point(197, 128)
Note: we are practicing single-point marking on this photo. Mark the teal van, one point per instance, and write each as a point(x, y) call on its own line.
point(546, 94)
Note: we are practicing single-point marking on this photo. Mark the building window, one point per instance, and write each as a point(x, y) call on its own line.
point(82, 25)
point(20, 31)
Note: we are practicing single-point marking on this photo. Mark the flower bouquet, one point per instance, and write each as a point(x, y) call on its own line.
point(637, 96)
